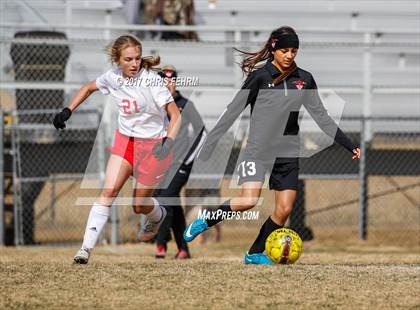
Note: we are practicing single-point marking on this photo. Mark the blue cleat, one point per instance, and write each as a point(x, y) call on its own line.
point(194, 229)
point(257, 259)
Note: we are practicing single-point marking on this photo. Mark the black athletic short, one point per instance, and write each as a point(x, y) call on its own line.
point(284, 173)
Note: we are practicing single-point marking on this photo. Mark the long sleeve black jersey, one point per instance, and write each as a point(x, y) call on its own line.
point(275, 110)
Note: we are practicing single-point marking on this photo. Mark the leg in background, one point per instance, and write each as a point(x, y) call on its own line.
point(170, 198)
point(162, 235)
point(178, 227)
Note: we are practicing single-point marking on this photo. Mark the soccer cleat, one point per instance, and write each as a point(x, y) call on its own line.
point(182, 254)
point(257, 259)
point(160, 251)
point(149, 229)
point(194, 229)
point(82, 256)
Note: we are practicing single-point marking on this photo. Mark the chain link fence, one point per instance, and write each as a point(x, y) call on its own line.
point(46, 166)
point(48, 174)
point(340, 200)
point(382, 204)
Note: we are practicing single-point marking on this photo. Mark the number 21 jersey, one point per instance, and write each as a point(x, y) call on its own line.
point(141, 102)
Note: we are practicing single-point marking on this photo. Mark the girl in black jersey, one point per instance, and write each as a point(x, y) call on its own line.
point(275, 91)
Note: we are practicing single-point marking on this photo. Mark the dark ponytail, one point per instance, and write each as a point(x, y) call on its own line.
point(251, 60)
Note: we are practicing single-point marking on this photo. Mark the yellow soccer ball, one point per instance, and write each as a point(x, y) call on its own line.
point(283, 246)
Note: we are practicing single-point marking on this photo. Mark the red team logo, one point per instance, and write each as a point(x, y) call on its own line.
point(299, 84)
point(273, 42)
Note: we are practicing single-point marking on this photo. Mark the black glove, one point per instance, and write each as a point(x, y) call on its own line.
point(162, 148)
point(61, 118)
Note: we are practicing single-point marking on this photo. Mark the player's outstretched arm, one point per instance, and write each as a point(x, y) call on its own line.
point(84, 92)
point(247, 95)
point(327, 124)
point(316, 109)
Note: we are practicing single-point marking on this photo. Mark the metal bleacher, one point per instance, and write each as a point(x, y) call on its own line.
point(332, 32)
point(365, 51)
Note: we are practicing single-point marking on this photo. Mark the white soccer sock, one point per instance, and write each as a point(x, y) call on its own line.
point(156, 214)
point(97, 219)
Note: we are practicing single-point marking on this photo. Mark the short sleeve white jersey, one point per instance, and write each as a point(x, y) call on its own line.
point(141, 102)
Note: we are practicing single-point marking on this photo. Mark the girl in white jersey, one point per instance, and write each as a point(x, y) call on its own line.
point(142, 144)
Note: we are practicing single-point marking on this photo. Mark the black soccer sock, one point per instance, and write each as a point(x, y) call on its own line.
point(225, 207)
point(266, 229)
point(178, 227)
point(164, 229)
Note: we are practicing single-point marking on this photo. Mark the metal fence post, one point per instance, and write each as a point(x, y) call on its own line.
point(53, 199)
point(1, 178)
point(102, 137)
point(366, 132)
point(101, 145)
point(17, 197)
point(16, 186)
point(114, 224)
point(69, 14)
point(367, 86)
point(237, 73)
point(108, 22)
point(363, 183)
point(114, 208)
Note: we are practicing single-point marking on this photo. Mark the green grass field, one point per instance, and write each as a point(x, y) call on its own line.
point(358, 276)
